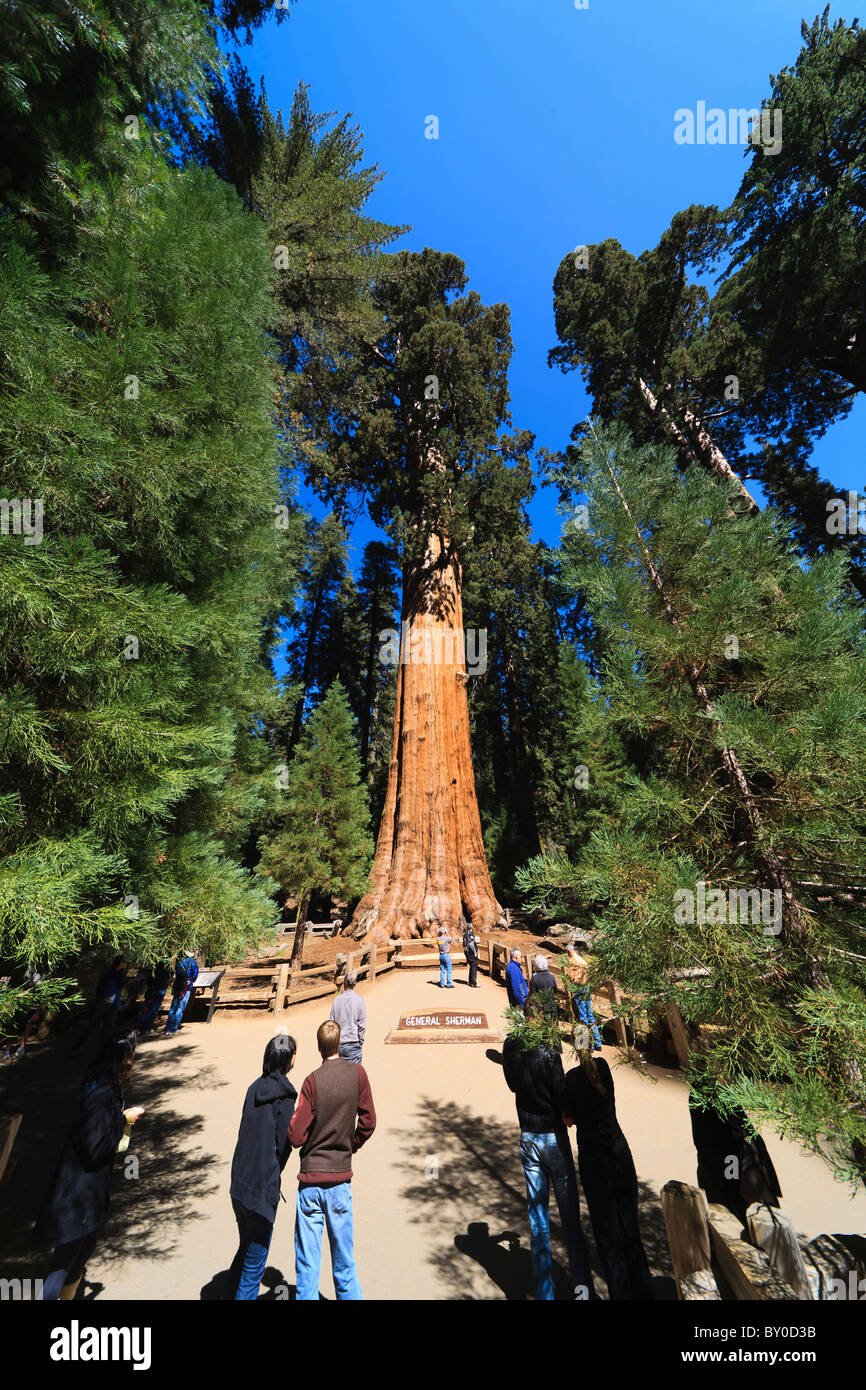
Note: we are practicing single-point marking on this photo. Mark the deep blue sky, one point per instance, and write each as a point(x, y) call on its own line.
point(555, 129)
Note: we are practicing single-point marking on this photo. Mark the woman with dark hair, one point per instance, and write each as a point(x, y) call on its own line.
point(78, 1198)
point(259, 1158)
point(608, 1177)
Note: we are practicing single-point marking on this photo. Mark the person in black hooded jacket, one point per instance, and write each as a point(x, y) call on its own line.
point(77, 1202)
point(259, 1158)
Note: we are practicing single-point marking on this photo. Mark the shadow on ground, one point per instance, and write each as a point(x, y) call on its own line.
point(279, 1290)
point(472, 1196)
point(158, 1186)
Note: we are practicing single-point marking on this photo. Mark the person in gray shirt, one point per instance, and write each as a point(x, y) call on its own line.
point(350, 1011)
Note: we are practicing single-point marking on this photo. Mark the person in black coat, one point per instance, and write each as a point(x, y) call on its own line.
point(608, 1178)
point(78, 1198)
point(543, 982)
point(259, 1158)
point(734, 1167)
point(534, 1073)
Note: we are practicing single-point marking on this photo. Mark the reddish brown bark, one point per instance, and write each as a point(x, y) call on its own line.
point(430, 863)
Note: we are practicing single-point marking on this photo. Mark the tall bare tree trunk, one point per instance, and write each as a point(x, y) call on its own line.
point(703, 450)
point(297, 957)
point(429, 863)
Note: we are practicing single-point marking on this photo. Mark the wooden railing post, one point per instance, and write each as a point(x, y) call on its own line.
point(282, 986)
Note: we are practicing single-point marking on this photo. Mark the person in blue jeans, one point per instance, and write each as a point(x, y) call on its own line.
point(260, 1156)
point(335, 1116)
point(443, 940)
point(581, 1000)
point(185, 976)
point(157, 985)
point(535, 1075)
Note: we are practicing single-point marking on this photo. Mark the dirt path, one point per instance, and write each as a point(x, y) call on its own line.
point(440, 1211)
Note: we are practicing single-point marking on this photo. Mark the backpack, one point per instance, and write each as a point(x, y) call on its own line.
point(185, 972)
point(469, 943)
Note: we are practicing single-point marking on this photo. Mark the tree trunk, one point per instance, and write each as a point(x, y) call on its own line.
point(704, 450)
point(297, 957)
point(429, 864)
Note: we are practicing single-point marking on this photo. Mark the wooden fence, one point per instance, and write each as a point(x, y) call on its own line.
point(277, 987)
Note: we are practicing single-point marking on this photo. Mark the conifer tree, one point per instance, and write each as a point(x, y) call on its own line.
point(137, 400)
point(414, 436)
point(321, 645)
point(321, 840)
point(744, 672)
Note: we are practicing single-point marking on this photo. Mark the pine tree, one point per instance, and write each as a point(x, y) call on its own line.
point(321, 842)
point(744, 671)
point(321, 644)
point(137, 408)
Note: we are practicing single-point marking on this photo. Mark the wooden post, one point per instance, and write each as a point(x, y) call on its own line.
point(615, 997)
point(746, 1269)
point(9, 1127)
point(679, 1035)
point(773, 1231)
point(685, 1213)
point(374, 960)
point(282, 986)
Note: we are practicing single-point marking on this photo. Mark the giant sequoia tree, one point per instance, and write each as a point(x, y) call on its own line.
point(425, 415)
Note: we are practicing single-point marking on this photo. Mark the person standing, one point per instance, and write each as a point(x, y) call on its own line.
point(515, 982)
point(334, 1117)
point(719, 1139)
point(185, 976)
point(260, 1156)
point(543, 983)
point(443, 939)
point(608, 1177)
point(107, 997)
point(350, 1012)
point(470, 950)
point(160, 978)
point(535, 1075)
point(80, 1192)
point(581, 1000)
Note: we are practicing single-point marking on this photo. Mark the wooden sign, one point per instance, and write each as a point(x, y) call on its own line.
point(443, 1025)
point(443, 1018)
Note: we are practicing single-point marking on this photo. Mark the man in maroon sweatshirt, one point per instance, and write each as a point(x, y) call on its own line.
point(333, 1118)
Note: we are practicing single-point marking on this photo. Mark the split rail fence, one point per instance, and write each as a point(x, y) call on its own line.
point(276, 986)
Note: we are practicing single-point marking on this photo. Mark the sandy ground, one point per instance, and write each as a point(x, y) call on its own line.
point(439, 1200)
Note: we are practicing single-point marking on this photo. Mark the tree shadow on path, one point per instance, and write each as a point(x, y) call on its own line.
point(158, 1187)
point(471, 1195)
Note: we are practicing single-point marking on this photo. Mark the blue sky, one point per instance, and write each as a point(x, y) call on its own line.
point(555, 130)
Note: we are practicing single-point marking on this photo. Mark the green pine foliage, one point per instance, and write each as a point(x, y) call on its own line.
point(137, 405)
point(320, 841)
point(684, 591)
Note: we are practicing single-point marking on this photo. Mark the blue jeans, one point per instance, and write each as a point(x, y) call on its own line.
point(547, 1159)
point(175, 1013)
point(147, 1017)
point(584, 1014)
point(351, 1051)
point(444, 969)
point(248, 1265)
point(316, 1206)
